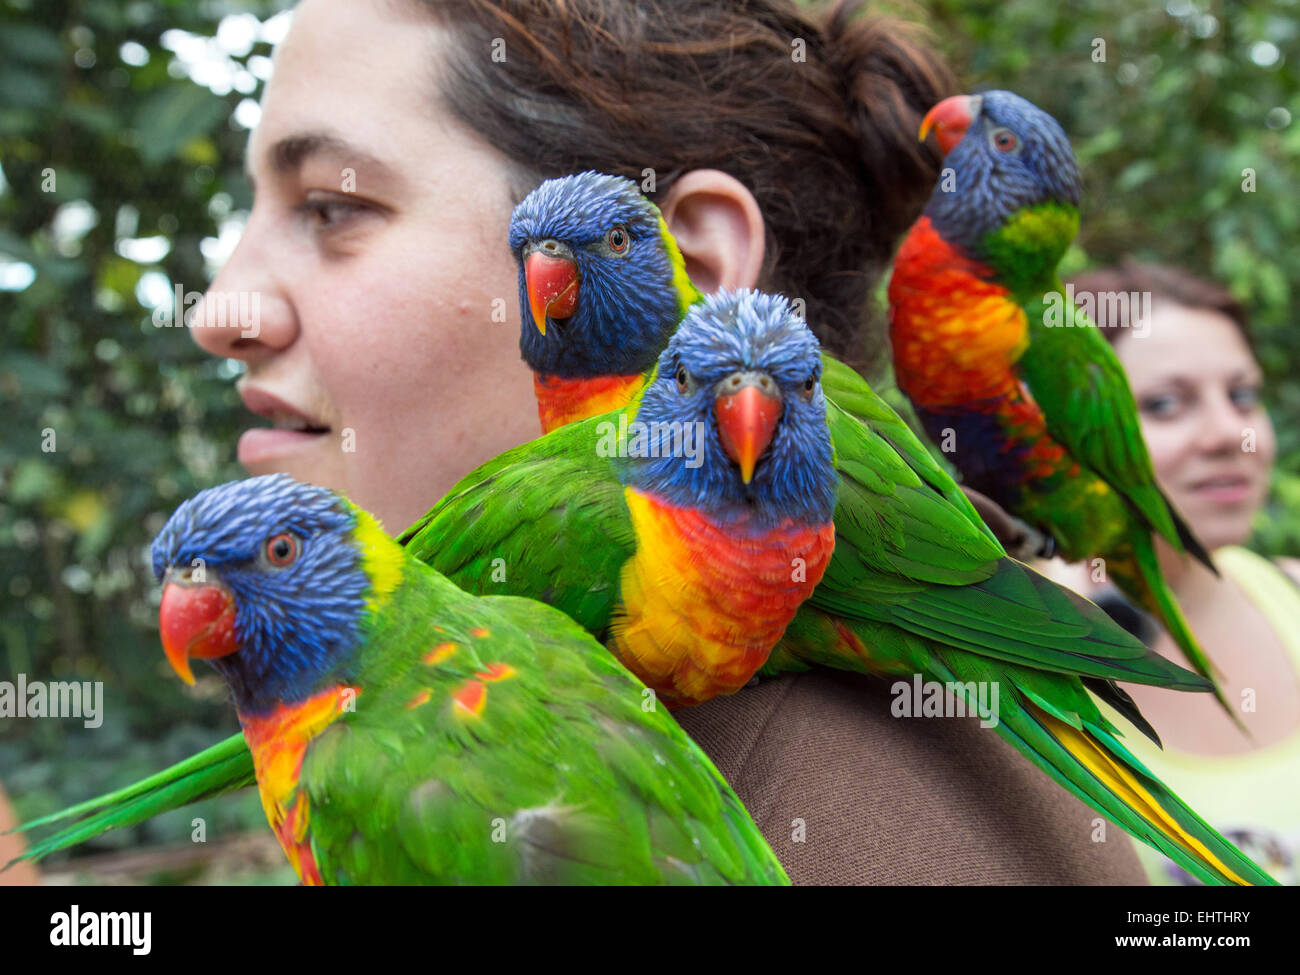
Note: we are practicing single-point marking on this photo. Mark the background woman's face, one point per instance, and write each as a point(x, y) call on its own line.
point(377, 246)
point(1198, 391)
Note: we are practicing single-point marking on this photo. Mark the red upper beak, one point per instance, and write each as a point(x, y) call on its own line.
point(196, 621)
point(747, 410)
point(950, 119)
point(552, 284)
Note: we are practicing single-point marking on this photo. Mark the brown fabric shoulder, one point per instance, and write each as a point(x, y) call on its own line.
point(888, 800)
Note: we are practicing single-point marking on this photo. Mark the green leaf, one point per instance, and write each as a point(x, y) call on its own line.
point(171, 118)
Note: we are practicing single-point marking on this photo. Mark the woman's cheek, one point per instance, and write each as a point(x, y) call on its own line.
point(1169, 444)
point(1265, 453)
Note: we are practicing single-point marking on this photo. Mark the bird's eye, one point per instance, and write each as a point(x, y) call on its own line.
point(618, 239)
point(682, 379)
point(1004, 140)
point(281, 549)
point(809, 385)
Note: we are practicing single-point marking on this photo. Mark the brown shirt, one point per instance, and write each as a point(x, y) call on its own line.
point(887, 800)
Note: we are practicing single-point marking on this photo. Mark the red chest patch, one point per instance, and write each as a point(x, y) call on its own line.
point(955, 334)
point(702, 607)
point(278, 741)
point(563, 401)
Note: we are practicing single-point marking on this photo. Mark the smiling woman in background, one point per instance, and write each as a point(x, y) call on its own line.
point(1197, 384)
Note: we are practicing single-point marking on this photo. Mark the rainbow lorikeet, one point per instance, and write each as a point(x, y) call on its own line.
point(404, 731)
point(684, 531)
point(1026, 397)
point(561, 243)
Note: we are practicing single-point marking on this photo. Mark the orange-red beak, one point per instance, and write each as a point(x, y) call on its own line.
point(196, 621)
point(950, 119)
point(552, 284)
point(747, 409)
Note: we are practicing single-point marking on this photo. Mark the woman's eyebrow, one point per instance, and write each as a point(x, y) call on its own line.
point(287, 155)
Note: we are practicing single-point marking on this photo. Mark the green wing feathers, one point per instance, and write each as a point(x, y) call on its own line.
point(1080, 385)
point(562, 776)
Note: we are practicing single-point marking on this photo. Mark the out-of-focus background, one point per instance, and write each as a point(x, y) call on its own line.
point(122, 128)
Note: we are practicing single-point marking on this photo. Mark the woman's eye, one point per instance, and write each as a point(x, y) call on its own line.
point(1245, 398)
point(618, 240)
point(1160, 407)
point(1004, 140)
point(326, 214)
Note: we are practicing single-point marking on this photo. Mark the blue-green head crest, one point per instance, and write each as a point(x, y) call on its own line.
point(596, 277)
point(265, 578)
point(1004, 154)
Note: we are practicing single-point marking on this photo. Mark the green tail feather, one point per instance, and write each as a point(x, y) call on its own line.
point(224, 767)
point(1024, 722)
point(1147, 586)
point(1189, 821)
point(1191, 544)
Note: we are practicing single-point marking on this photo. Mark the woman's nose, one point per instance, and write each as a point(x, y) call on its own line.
point(246, 312)
point(1221, 427)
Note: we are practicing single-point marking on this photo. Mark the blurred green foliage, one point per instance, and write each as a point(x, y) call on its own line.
point(110, 149)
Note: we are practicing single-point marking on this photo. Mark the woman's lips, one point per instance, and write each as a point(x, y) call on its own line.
point(261, 445)
point(1228, 489)
point(293, 430)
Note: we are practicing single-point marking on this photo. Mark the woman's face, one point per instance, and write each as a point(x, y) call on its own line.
point(377, 250)
point(1197, 387)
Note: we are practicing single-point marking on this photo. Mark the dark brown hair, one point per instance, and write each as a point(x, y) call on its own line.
point(827, 145)
point(1164, 284)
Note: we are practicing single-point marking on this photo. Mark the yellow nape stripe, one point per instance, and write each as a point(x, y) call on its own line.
point(1124, 784)
point(687, 293)
point(381, 558)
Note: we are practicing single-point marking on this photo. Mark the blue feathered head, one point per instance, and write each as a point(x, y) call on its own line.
point(265, 578)
point(734, 423)
point(1005, 154)
point(597, 291)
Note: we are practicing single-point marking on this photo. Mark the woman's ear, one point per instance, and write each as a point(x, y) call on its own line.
point(718, 227)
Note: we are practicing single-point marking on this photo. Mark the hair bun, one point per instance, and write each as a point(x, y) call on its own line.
point(891, 79)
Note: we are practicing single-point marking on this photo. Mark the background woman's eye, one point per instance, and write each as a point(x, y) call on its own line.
point(281, 549)
point(617, 239)
point(1245, 398)
point(1160, 406)
point(681, 378)
point(1004, 140)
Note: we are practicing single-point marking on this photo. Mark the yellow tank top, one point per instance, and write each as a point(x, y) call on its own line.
point(1253, 799)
